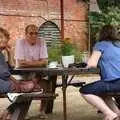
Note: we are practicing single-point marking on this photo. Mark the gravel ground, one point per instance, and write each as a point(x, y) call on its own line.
point(77, 108)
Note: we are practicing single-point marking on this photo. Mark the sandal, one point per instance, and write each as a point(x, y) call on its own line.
point(43, 115)
point(5, 115)
point(27, 117)
point(116, 118)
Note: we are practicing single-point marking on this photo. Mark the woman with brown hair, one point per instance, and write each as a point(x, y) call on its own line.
point(106, 55)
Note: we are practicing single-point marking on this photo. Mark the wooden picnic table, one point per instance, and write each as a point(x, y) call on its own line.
point(64, 72)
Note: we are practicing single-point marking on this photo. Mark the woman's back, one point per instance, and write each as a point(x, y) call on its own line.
point(109, 61)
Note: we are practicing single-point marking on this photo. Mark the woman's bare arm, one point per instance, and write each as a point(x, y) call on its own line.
point(93, 60)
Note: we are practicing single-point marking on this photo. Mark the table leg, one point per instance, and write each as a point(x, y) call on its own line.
point(64, 86)
point(52, 87)
point(21, 110)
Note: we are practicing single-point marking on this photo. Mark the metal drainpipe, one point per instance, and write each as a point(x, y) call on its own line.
point(62, 18)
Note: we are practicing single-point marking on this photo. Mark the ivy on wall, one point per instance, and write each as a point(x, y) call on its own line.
point(110, 15)
point(105, 4)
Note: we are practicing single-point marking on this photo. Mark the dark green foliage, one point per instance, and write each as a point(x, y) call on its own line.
point(67, 49)
point(97, 20)
point(55, 51)
point(104, 4)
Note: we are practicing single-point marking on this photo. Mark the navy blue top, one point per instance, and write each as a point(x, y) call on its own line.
point(109, 62)
point(5, 84)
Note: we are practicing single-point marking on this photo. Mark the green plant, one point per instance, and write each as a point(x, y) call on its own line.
point(67, 47)
point(54, 52)
point(105, 4)
point(78, 57)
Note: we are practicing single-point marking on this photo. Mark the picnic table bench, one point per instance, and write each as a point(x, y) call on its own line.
point(23, 101)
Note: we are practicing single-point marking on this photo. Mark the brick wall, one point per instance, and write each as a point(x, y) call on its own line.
point(16, 14)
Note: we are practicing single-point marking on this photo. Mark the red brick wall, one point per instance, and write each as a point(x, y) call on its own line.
point(16, 14)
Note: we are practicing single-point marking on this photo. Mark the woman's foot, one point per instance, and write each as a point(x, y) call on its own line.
point(118, 113)
point(117, 118)
point(5, 115)
point(43, 115)
point(112, 118)
point(8, 117)
point(27, 117)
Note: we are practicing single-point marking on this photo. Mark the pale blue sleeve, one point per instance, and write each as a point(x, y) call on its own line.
point(100, 46)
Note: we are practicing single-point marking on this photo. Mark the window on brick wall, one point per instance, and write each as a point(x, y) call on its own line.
point(50, 32)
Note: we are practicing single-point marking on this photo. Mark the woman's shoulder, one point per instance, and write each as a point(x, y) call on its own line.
point(101, 45)
point(104, 43)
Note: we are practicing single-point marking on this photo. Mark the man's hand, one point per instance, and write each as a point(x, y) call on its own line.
point(34, 63)
point(16, 82)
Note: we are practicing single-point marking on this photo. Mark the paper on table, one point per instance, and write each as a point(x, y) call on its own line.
point(53, 64)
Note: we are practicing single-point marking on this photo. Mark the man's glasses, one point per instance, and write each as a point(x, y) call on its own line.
point(33, 33)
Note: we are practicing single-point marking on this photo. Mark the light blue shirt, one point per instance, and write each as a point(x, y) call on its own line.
point(109, 62)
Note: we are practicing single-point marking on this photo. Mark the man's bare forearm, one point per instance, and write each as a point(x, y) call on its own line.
point(33, 63)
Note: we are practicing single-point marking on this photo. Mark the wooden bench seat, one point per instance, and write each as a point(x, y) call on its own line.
point(42, 96)
point(3, 96)
point(23, 101)
point(71, 82)
point(22, 97)
point(33, 95)
point(75, 83)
